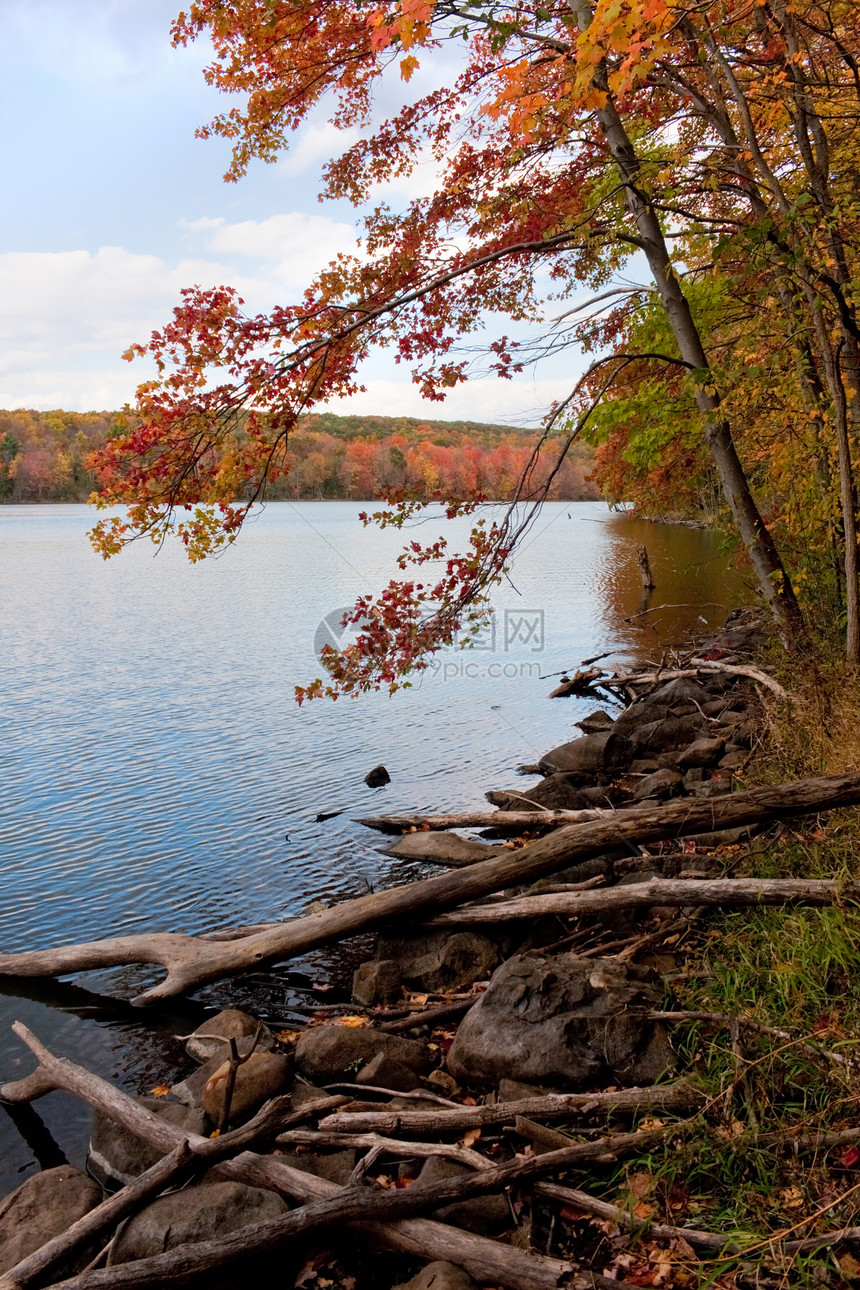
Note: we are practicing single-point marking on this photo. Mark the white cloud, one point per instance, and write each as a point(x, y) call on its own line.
point(315, 144)
point(298, 245)
point(519, 402)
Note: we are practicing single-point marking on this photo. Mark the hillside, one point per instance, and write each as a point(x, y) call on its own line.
point(43, 458)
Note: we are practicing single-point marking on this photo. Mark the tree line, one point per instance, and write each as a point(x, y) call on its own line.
point(45, 457)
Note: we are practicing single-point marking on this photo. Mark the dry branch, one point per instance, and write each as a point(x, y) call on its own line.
point(602, 1209)
point(658, 891)
point(696, 666)
point(508, 821)
point(191, 961)
point(485, 1260)
point(659, 1099)
point(388, 1146)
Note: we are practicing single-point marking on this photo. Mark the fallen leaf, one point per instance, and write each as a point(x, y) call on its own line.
point(287, 1036)
point(160, 1090)
point(355, 1023)
point(851, 1157)
point(468, 1139)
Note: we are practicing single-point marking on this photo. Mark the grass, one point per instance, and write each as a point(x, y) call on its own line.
point(794, 969)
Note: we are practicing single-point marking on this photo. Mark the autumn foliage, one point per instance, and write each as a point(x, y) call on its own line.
point(670, 188)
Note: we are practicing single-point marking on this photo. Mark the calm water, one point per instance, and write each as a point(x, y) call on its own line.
point(156, 772)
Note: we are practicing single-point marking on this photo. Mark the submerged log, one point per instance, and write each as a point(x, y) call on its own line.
point(191, 961)
point(657, 891)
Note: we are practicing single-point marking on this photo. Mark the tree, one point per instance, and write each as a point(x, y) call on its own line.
point(577, 135)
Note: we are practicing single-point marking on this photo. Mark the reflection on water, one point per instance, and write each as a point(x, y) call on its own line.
point(157, 774)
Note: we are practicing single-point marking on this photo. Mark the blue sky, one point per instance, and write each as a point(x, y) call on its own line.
point(112, 206)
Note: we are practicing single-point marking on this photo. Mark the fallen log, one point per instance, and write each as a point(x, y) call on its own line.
point(659, 1099)
point(191, 961)
point(538, 818)
point(424, 1239)
point(657, 891)
point(697, 666)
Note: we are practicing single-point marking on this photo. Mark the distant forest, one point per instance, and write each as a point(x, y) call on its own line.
point(43, 458)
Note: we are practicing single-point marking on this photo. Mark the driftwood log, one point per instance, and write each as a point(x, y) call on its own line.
point(658, 891)
point(660, 1099)
point(539, 817)
point(695, 667)
point(323, 1203)
point(192, 961)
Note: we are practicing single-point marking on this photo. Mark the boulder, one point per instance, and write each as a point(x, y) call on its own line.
point(702, 752)
point(201, 1213)
point(484, 1215)
point(376, 982)
point(439, 1276)
point(595, 723)
point(326, 1054)
point(557, 793)
point(44, 1206)
point(562, 1021)
point(659, 784)
point(190, 1090)
point(461, 959)
point(386, 1071)
point(117, 1157)
point(590, 755)
point(377, 777)
point(683, 689)
point(668, 732)
point(261, 1076)
point(733, 759)
point(336, 1166)
point(641, 713)
point(211, 1039)
point(440, 848)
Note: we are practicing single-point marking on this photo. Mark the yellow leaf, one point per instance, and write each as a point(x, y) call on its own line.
point(470, 1138)
point(160, 1090)
point(407, 67)
point(353, 1022)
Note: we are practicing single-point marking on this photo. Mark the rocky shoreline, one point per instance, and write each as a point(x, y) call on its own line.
point(512, 1015)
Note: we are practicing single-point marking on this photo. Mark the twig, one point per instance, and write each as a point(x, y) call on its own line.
point(602, 1209)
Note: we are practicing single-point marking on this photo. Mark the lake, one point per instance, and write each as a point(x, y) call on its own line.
point(157, 773)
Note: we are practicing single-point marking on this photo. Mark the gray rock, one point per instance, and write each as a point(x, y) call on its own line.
point(682, 690)
point(562, 1020)
point(116, 1157)
point(484, 1215)
point(641, 713)
point(733, 759)
point(702, 752)
point(513, 1090)
point(661, 783)
point(43, 1207)
point(303, 1092)
point(595, 723)
point(440, 847)
point(697, 775)
point(261, 1076)
point(557, 793)
point(439, 1276)
point(336, 1166)
point(669, 732)
point(386, 1071)
point(376, 982)
point(201, 1213)
point(210, 1039)
point(377, 777)
point(590, 755)
point(326, 1054)
point(716, 787)
point(459, 960)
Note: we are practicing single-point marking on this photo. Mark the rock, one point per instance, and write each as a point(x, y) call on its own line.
point(716, 787)
point(557, 793)
point(377, 777)
point(590, 755)
point(439, 1276)
point(117, 1157)
point(44, 1206)
point(336, 1166)
point(643, 766)
point(209, 1040)
point(595, 723)
point(461, 959)
point(201, 1213)
point(303, 1092)
point(669, 732)
point(386, 1071)
point(641, 713)
point(682, 690)
point(693, 777)
point(261, 1076)
point(440, 847)
point(484, 1215)
point(733, 759)
point(661, 783)
point(376, 982)
point(702, 752)
point(513, 1090)
point(326, 1054)
point(562, 1020)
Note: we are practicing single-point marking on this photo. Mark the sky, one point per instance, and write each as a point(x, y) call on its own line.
point(112, 206)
